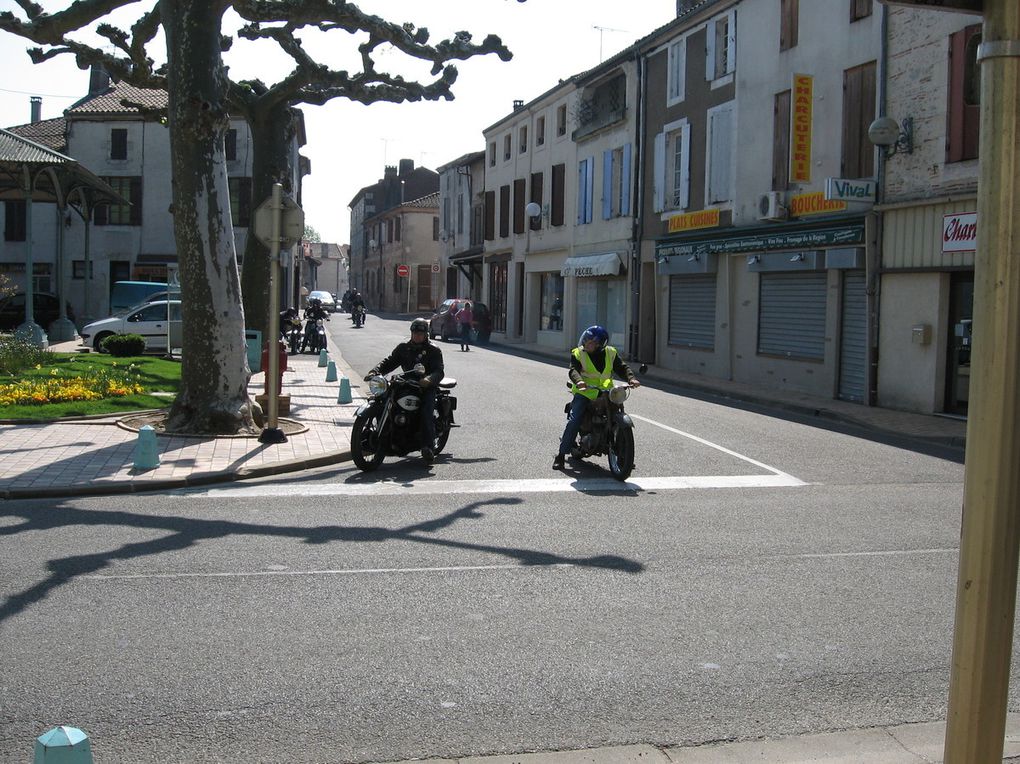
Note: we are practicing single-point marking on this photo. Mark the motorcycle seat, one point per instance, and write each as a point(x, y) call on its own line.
point(448, 383)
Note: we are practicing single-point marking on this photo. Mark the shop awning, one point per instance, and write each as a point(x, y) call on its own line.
point(607, 264)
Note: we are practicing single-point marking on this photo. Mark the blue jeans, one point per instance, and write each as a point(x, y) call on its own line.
point(577, 409)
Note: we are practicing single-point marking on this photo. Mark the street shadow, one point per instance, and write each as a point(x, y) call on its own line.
point(179, 533)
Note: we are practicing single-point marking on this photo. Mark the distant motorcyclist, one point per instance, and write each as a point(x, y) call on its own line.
point(358, 306)
point(408, 355)
point(592, 365)
point(313, 313)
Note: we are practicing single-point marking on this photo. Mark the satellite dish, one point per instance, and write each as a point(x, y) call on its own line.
point(533, 210)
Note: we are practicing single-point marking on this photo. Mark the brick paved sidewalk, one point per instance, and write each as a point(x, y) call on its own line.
point(97, 456)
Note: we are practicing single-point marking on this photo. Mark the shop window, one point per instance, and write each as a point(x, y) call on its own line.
point(551, 318)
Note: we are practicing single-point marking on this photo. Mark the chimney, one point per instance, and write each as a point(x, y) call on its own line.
point(406, 167)
point(36, 102)
point(682, 6)
point(99, 80)
point(518, 104)
point(390, 171)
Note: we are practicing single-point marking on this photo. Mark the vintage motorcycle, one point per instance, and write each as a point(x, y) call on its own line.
point(606, 429)
point(388, 422)
point(358, 313)
point(293, 334)
point(316, 335)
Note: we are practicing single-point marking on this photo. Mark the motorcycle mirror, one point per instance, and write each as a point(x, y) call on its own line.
point(643, 368)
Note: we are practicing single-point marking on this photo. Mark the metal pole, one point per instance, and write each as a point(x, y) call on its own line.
point(987, 581)
point(408, 289)
point(272, 433)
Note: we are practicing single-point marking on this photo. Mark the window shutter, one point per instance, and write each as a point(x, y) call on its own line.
point(781, 142)
point(625, 181)
point(519, 205)
point(590, 190)
point(722, 133)
point(731, 43)
point(659, 174)
point(685, 161)
point(559, 176)
point(582, 184)
point(536, 197)
point(504, 211)
point(490, 215)
point(136, 201)
point(607, 184)
point(710, 35)
point(964, 113)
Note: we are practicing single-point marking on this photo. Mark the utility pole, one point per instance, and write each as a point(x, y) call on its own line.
point(990, 533)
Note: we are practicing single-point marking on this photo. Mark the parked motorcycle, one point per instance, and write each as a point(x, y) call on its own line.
point(358, 314)
point(606, 429)
point(316, 335)
point(388, 423)
point(293, 335)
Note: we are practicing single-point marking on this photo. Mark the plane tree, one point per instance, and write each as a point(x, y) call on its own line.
point(213, 396)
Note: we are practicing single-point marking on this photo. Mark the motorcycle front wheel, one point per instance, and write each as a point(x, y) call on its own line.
point(442, 432)
point(621, 454)
point(367, 448)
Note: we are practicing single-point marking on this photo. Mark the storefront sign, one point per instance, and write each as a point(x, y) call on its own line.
point(814, 203)
point(959, 232)
point(690, 221)
point(800, 144)
point(837, 189)
point(816, 239)
point(607, 264)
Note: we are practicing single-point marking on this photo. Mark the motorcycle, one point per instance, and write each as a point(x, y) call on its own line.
point(388, 423)
point(358, 314)
point(293, 334)
point(317, 339)
point(606, 429)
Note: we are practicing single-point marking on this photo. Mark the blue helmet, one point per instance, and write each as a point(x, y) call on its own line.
point(597, 333)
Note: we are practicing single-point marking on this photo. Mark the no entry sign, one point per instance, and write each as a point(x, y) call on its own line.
point(403, 270)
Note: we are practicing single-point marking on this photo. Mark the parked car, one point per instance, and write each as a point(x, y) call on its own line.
point(45, 310)
point(125, 295)
point(151, 320)
point(325, 298)
point(444, 323)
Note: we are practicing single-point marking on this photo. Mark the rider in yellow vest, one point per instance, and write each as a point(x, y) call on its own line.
point(592, 365)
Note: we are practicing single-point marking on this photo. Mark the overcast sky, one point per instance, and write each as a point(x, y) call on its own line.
point(348, 143)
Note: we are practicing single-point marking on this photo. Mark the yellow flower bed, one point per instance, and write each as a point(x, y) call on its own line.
point(62, 389)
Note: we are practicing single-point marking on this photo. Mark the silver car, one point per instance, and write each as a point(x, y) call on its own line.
point(152, 320)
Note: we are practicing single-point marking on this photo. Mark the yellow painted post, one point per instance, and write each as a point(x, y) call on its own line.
point(989, 549)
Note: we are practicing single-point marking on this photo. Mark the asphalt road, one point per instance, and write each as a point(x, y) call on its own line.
point(758, 577)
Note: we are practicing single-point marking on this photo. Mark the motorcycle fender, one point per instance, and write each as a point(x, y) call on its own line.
point(624, 420)
point(364, 408)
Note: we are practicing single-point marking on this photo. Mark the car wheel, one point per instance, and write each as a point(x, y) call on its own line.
point(98, 343)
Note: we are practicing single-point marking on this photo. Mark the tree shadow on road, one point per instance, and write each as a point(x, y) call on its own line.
point(184, 532)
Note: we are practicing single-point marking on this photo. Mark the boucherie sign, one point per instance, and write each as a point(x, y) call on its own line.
point(959, 232)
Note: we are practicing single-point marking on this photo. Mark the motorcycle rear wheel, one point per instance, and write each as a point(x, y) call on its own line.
point(442, 433)
point(621, 454)
point(366, 447)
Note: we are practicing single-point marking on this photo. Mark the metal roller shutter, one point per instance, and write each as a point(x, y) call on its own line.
point(791, 315)
point(853, 338)
point(692, 311)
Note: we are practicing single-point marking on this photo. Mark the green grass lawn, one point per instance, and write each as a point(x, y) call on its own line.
point(154, 374)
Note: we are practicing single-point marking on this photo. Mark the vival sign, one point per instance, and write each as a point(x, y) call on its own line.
point(837, 189)
point(959, 232)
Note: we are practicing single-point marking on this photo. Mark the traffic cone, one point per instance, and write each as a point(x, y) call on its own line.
point(146, 450)
point(323, 357)
point(345, 391)
point(331, 371)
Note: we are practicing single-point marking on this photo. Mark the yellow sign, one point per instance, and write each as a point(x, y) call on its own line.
point(690, 221)
point(800, 141)
point(814, 203)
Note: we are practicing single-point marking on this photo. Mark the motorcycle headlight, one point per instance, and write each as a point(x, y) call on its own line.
point(377, 385)
point(619, 394)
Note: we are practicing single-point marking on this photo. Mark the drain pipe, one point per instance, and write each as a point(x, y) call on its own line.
point(637, 197)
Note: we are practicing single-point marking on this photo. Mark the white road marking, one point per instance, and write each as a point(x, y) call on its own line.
point(881, 553)
point(333, 572)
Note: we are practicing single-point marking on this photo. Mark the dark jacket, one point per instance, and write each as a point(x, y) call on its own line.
point(313, 312)
point(620, 367)
point(407, 354)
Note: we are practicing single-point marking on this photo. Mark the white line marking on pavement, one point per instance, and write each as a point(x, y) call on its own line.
point(880, 553)
point(540, 485)
point(335, 572)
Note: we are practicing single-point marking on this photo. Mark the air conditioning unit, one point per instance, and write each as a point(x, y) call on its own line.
point(771, 207)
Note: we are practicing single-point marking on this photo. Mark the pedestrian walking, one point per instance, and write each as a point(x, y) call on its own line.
point(465, 317)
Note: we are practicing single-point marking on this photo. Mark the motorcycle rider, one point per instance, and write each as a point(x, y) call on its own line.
point(313, 313)
point(288, 320)
point(419, 350)
point(592, 365)
point(357, 302)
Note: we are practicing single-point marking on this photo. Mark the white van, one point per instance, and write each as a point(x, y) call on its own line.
point(152, 320)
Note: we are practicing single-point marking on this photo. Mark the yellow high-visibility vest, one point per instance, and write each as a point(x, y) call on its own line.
point(595, 379)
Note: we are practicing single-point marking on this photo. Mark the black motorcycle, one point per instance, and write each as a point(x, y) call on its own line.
point(358, 314)
point(293, 334)
point(606, 429)
point(388, 423)
point(315, 335)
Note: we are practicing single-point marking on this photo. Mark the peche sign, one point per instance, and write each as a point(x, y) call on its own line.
point(959, 232)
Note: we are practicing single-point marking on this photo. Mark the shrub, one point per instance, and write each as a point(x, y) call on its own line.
point(16, 354)
point(123, 345)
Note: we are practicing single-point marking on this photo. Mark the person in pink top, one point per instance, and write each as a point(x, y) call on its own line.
point(465, 316)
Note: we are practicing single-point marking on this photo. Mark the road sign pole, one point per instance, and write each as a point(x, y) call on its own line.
point(408, 277)
point(272, 432)
point(990, 532)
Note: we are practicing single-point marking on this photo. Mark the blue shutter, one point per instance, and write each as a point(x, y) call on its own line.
point(625, 182)
point(607, 184)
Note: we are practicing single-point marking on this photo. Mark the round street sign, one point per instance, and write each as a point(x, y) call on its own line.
point(403, 270)
point(435, 267)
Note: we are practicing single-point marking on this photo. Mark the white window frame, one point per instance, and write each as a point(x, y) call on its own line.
point(712, 33)
point(671, 188)
point(676, 71)
point(712, 145)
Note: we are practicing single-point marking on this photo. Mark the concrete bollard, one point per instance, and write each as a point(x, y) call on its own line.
point(63, 745)
point(146, 449)
point(323, 357)
point(345, 391)
point(331, 371)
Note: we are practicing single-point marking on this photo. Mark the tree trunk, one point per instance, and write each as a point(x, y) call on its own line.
point(272, 128)
point(214, 371)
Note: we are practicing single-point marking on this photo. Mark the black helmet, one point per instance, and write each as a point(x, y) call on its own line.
point(420, 325)
point(597, 333)
point(315, 301)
